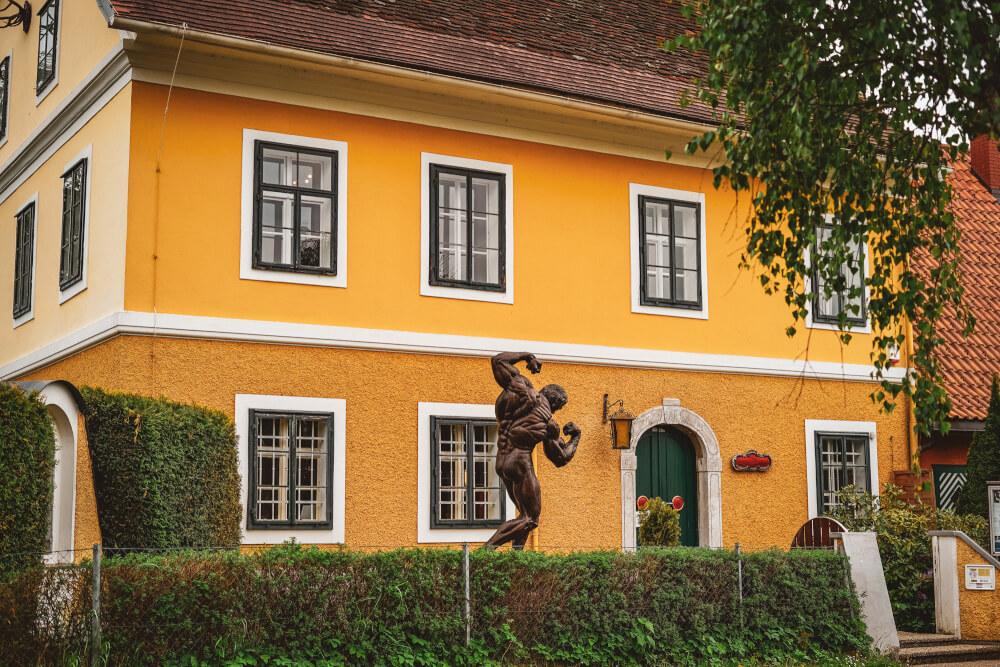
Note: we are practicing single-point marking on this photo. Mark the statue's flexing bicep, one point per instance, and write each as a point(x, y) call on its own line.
point(557, 451)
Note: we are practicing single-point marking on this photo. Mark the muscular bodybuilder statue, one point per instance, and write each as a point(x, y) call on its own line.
point(524, 418)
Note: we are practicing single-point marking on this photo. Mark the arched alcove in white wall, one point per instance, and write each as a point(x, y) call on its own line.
point(64, 404)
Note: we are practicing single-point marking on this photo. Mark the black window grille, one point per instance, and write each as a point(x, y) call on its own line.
point(4, 95)
point(48, 25)
point(295, 211)
point(291, 470)
point(24, 252)
point(466, 489)
point(670, 262)
point(73, 225)
point(842, 459)
point(828, 309)
point(467, 231)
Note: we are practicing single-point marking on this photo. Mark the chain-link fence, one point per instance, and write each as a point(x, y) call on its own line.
point(398, 605)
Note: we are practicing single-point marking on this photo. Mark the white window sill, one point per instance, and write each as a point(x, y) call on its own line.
point(468, 294)
point(24, 319)
point(71, 291)
point(45, 91)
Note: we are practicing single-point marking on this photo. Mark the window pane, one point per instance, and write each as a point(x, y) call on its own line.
point(657, 218)
point(273, 448)
point(277, 228)
point(485, 230)
point(278, 167)
point(314, 171)
point(831, 463)
point(452, 226)
point(316, 232)
point(486, 482)
point(311, 460)
point(855, 455)
point(452, 460)
point(686, 253)
point(685, 221)
point(686, 285)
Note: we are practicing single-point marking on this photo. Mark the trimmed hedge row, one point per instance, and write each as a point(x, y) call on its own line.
point(27, 459)
point(406, 607)
point(165, 473)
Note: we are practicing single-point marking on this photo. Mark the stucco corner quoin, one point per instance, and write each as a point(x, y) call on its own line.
point(708, 466)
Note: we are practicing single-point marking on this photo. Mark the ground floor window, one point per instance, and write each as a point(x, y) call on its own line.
point(291, 472)
point(842, 460)
point(466, 489)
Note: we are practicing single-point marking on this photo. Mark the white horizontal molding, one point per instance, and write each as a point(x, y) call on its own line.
point(318, 335)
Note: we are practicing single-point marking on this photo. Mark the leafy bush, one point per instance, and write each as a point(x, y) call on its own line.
point(983, 462)
point(27, 459)
point(165, 474)
point(405, 607)
point(901, 530)
point(659, 524)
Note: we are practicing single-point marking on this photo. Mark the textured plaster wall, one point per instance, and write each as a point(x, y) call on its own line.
point(86, 531)
point(979, 610)
point(581, 502)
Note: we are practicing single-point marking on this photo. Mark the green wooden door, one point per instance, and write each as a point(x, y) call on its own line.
point(666, 469)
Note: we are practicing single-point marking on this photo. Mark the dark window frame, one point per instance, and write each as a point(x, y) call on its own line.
point(860, 319)
point(433, 251)
point(471, 522)
point(253, 523)
point(842, 436)
point(672, 302)
point(24, 255)
point(47, 22)
point(296, 192)
point(73, 240)
point(4, 95)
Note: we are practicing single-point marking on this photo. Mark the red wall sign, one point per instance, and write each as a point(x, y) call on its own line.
point(751, 462)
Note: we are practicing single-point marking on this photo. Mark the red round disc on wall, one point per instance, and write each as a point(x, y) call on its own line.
point(641, 502)
point(678, 503)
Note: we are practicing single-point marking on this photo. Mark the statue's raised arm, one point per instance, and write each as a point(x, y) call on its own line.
point(504, 369)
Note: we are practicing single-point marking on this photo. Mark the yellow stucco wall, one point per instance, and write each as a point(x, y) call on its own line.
point(581, 502)
point(571, 236)
point(108, 133)
point(979, 610)
point(86, 530)
point(84, 40)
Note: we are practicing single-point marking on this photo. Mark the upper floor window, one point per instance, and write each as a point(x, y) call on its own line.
point(827, 307)
point(24, 259)
point(48, 27)
point(295, 191)
point(71, 260)
point(466, 489)
point(291, 475)
point(4, 96)
point(293, 209)
point(671, 261)
point(467, 229)
point(842, 460)
point(668, 251)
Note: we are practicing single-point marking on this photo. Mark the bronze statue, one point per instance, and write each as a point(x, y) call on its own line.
point(524, 418)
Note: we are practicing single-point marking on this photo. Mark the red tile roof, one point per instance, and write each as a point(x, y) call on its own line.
point(602, 50)
point(969, 363)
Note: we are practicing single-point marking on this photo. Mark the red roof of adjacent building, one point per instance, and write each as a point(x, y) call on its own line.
point(606, 50)
point(968, 364)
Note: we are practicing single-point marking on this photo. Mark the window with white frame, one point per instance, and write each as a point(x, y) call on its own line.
point(295, 218)
point(72, 257)
point(48, 42)
point(4, 96)
point(466, 489)
point(293, 209)
point(846, 293)
point(24, 259)
point(291, 472)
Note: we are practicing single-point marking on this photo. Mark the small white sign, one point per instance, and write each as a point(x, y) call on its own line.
point(980, 578)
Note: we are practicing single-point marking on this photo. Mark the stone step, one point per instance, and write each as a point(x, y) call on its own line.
point(925, 639)
point(949, 652)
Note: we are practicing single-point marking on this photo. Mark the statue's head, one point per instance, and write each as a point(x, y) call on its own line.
point(555, 395)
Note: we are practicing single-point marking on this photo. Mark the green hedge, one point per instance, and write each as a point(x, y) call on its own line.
point(405, 607)
point(165, 474)
point(27, 459)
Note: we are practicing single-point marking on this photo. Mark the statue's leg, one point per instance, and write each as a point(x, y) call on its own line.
point(531, 509)
point(527, 496)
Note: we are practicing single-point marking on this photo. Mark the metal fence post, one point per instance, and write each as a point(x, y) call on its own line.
point(739, 570)
point(467, 613)
point(95, 626)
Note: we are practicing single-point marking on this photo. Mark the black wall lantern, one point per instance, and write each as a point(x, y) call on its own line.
point(621, 424)
point(14, 14)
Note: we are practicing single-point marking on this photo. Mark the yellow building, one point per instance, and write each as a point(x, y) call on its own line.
point(325, 221)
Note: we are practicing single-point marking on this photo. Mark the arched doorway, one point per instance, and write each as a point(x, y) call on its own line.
point(665, 468)
point(708, 471)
